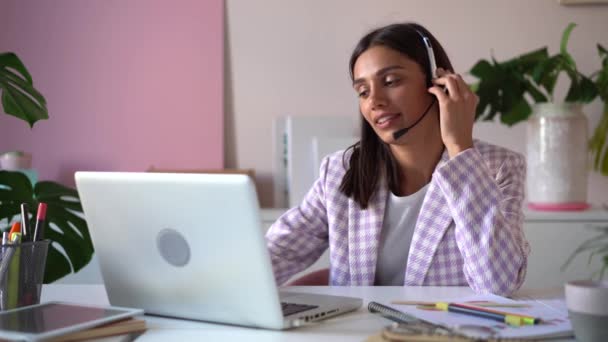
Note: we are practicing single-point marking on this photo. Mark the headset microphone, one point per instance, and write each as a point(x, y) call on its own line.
point(398, 134)
point(433, 73)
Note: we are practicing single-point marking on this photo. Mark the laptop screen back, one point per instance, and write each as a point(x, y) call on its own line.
point(182, 245)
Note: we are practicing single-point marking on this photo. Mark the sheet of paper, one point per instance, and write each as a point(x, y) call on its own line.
point(553, 312)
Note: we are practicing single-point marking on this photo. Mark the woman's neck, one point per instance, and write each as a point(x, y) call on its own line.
point(417, 161)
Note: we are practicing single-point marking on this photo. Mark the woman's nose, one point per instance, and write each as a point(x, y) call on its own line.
point(377, 98)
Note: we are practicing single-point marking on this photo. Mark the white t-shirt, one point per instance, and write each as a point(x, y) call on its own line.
point(400, 218)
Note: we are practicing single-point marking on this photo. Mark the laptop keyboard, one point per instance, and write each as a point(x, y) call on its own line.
point(291, 308)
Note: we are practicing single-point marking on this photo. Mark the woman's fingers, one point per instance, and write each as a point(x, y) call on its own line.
point(442, 97)
point(450, 81)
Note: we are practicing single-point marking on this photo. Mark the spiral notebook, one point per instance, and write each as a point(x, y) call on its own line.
point(553, 313)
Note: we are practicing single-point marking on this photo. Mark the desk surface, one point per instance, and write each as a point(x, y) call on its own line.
point(355, 326)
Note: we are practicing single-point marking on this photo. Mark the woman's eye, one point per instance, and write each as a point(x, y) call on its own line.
point(391, 81)
point(362, 93)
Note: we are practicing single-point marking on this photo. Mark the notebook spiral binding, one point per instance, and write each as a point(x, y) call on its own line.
point(413, 329)
point(414, 324)
point(390, 313)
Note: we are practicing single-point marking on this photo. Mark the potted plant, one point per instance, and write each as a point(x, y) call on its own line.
point(587, 300)
point(523, 89)
point(71, 247)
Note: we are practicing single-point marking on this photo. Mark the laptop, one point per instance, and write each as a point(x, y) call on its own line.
point(191, 246)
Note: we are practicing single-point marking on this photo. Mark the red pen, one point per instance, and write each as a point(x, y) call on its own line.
point(40, 222)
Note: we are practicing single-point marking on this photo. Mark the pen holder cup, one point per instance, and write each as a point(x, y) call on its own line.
point(22, 268)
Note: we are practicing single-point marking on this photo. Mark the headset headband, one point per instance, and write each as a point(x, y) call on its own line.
point(431, 54)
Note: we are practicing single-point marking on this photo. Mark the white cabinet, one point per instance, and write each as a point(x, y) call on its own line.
point(553, 236)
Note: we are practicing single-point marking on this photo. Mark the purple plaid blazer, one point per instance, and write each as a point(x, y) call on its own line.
point(468, 232)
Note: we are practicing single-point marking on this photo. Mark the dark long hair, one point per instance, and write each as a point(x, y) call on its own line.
point(371, 157)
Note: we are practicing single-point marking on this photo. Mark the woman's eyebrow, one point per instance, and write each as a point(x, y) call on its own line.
point(378, 73)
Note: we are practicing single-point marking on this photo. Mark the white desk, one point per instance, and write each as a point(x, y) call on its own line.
point(355, 326)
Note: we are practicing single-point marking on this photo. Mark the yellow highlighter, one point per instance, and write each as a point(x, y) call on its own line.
point(13, 273)
point(505, 317)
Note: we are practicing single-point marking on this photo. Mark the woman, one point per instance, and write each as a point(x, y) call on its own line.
point(416, 201)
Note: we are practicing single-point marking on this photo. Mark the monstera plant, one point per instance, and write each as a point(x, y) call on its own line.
point(71, 247)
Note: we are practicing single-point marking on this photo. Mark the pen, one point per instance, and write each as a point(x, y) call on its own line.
point(25, 224)
point(5, 263)
point(506, 317)
point(3, 255)
point(476, 304)
point(40, 222)
point(14, 272)
point(16, 228)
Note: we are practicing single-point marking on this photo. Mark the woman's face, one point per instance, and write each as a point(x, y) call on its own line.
point(392, 91)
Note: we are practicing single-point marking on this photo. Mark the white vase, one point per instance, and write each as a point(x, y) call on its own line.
point(557, 157)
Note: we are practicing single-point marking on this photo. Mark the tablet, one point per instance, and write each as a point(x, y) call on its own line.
point(51, 319)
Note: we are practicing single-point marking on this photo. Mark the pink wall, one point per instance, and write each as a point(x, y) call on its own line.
point(129, 83)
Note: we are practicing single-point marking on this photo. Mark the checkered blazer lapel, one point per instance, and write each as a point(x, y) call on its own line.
point(364, 235)
point(365, 226)
point(433, 221)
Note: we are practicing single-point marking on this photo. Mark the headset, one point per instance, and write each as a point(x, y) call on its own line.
point(432, 74)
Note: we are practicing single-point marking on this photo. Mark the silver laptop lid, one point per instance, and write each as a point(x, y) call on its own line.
point(182, 245)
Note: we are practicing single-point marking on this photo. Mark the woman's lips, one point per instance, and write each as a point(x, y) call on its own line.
point(387, 120)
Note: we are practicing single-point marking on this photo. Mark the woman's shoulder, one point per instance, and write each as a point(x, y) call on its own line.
point(335, 164)
point(497, 154)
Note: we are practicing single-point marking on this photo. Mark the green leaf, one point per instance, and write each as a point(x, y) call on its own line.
point(597, 245)
point(483, 69)
point(582, 90)
point(536, 94)
point(481, 107)
point(21, 105)
point(65, 225)
point(563, 47)
point(57, 194)
point(598, 141)
point(546, 73)
point(19, 97)
point(77, 256)
point(10, 60)
point(527, 62)
point(15, 187)
point(602, 76)
point(57, 266)
point(27, 88)
point(8, 212)
point(486, 94)
point(603, 55)
point(604, 166)
point(521, 111)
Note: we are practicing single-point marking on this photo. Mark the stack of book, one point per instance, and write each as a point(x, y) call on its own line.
point(126, 326)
